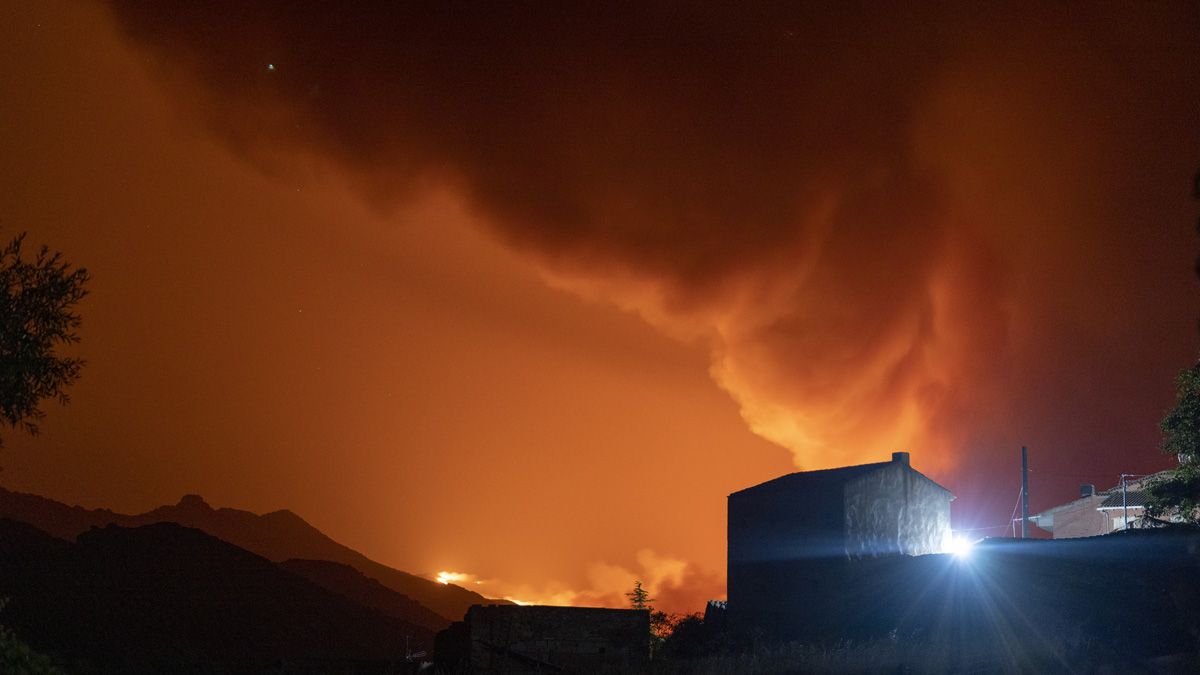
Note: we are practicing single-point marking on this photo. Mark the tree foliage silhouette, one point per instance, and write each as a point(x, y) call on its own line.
point(660, 622)
point(1178, 494)
point(37, 316)
point(639, 597)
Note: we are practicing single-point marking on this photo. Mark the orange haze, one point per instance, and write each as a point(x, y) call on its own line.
point(522, 294)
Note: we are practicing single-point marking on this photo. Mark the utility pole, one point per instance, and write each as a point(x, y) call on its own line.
point(1024, 492)
point(1124, 502)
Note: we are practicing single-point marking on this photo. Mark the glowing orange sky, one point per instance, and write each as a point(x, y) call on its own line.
point(438, 373)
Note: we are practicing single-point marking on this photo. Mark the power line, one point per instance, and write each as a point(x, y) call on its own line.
point(1013, 518)
point(978, 529)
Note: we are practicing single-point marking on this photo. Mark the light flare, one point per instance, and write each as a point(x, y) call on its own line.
point(959, 547)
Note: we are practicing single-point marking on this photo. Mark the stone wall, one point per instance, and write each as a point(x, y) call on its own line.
point(526, 639)
point(895, 510)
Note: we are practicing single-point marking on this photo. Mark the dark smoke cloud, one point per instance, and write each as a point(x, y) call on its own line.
point(935, 229)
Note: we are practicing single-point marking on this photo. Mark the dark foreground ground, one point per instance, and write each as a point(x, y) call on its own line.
point(168, 599)
point(1128, 602)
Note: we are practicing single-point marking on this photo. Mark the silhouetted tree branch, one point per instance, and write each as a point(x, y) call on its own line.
point(1178, 495)
point(37, 315)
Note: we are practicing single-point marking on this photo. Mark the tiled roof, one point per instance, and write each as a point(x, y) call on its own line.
point(1112, 497)
point(1132, 498)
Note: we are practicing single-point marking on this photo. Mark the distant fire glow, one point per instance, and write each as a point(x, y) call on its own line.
point(452, 577)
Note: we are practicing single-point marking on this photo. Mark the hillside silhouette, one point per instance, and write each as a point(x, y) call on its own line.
point(278, 536)
point(349, 582)
point(168, 598)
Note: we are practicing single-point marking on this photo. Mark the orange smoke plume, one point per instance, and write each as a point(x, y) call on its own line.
point(889, 225)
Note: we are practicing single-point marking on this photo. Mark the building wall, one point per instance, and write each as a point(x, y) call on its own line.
point(525, 639)
point(1081, 519)
point(769, 530)
point(785, 524)
point(1114, 519)
point(895, 510)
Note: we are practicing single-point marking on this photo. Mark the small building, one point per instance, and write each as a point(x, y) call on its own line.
point(787, 533)
point(1078, 518)
point(1096, 513)
point(543, 639)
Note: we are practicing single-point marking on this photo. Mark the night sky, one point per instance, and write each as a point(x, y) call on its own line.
point(523, 290)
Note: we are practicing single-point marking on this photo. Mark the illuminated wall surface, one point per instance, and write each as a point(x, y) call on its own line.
point(896, 510)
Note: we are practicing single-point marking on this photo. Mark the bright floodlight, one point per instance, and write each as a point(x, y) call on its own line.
point(960, 547)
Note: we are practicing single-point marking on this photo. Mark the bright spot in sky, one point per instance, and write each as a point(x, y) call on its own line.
point(270, 66)
point(451, 577)
point(960, 547)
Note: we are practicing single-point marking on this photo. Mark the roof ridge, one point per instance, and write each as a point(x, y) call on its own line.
point(820, 473)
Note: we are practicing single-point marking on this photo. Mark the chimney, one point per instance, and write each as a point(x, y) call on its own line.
point(901, 457)
point(1087, 490)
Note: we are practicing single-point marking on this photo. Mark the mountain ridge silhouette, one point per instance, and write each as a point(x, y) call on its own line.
point(279, 536)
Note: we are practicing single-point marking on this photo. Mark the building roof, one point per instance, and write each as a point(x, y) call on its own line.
point(826, 479)
point(1133, 498)
point(1082, 501)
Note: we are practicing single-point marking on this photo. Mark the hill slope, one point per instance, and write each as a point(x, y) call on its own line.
point(165, 598)
point(347, 581)
point(277, 536)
